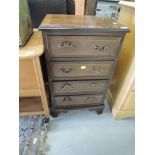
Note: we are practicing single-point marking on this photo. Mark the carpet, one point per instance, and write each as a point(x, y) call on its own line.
point(83, 132)
point(32, 135)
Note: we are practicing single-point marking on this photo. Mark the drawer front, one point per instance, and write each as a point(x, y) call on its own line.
point(82, 69)
point(78, 100)
point(83, 46)
point(69, 87)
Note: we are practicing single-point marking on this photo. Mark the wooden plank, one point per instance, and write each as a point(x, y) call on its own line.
point(27, 76)
point(38, 71)
point(86, 23)
point(29, 92)
point(30, 105)
point(31, 113)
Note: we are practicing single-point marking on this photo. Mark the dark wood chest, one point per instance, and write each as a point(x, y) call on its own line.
point(81, 54)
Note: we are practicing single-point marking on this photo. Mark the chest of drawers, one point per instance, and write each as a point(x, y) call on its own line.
point(81, 53)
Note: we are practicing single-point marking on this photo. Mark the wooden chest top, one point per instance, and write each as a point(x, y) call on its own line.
point(53, 22)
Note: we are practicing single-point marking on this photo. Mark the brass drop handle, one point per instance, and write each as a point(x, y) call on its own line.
point(93, 84)
point(108, 46)
point(102, 48)
point(97, 68)
point(65, 44)
point(66, 85)
point(99, 48)
point(91, 99)
point(66, 70)
point(67, 99)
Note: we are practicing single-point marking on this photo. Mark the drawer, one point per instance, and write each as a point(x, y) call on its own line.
point(69, 87)
point(78, 100)
point(83, 46)
point(82, 69)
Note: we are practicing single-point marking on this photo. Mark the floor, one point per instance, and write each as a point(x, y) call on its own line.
point(32, 133)
point(86, 133)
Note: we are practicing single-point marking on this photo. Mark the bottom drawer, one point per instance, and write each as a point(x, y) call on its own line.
point(79, 100)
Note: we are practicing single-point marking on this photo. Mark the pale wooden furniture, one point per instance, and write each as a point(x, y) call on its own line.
point(81, 53)
point(121, 93)
point(33, 99)
point(79, 7)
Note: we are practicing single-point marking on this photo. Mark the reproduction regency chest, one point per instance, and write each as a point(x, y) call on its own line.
point(81, 54)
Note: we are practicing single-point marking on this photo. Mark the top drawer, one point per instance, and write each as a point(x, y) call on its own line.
point(83, 46)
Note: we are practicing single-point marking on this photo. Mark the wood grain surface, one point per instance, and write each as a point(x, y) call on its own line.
point(79, 100)
point(31, 82)
point(27, 76)
point(80, 22)
point(82, 69)
point(30, 104)
point(83, 46)
point(72, 87)
point(33, 48)
point(121, 91)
